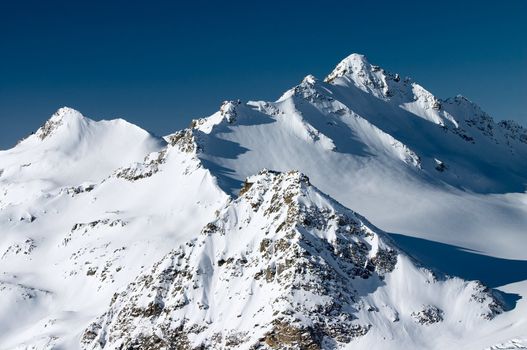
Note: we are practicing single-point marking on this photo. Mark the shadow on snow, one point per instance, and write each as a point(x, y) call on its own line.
point(469, 265)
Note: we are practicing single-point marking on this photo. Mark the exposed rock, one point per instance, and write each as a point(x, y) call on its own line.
point(149, 167)
point(24, 248)
point(184, 140)
point(428, 315)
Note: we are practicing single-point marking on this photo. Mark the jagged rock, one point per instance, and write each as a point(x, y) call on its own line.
point(184, 140)
point(428, 315)
point(138, 171)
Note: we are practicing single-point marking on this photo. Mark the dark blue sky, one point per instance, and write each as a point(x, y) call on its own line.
point(160, 63)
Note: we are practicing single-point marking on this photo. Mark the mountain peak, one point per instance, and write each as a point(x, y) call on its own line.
point(64, 115)
point(357, 58)
point(370, 78)
point(309, 79)
point(353, 64)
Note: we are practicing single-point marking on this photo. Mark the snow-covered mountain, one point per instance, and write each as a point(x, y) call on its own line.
point(384, 146)
point(70, 150)
point(114, 238)
point(284, 266)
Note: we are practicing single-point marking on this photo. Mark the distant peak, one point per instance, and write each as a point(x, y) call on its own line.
point(350, 65)
point(356, 58)
point(309, 79)
point(370, 78)
point(461, 100)
point(358, 71)
point(64, 115)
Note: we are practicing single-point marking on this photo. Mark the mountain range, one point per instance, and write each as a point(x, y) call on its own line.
point(355, 212)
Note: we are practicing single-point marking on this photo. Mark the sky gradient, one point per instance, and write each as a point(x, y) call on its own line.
point(159, 64)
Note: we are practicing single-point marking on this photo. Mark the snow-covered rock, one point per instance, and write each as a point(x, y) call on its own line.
point(283, 266)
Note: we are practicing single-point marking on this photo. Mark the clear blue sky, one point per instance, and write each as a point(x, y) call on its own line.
point(160, 63)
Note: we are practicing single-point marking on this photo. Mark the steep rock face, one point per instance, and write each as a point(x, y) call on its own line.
point(282, 267)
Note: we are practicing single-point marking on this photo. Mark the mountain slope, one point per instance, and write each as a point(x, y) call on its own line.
point(284, 266)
